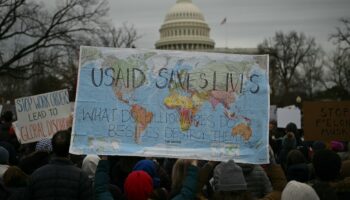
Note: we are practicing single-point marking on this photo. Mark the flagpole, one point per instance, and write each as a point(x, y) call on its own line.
point(225, 36)
point(223, 23)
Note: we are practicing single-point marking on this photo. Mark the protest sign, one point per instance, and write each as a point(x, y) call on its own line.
point(288, 115)
point(327, 121)
point(172, 104)
point(41, 116)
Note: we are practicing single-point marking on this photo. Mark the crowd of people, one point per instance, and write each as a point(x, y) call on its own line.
point(298, 170)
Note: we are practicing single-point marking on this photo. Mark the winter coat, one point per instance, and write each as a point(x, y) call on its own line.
point(189, 187)
point(59, 179)
point(34, 161)
point(102, 181)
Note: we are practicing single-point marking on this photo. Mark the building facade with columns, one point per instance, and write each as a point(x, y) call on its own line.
point(184, 28)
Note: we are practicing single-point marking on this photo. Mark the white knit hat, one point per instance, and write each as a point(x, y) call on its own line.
point(295, 190)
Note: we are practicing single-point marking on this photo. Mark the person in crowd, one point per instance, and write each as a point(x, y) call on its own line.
point(288, 144)
point(38, 158)
point(60, 179)
point(102, 180)
point(138, 186)
point(337, 146)
point(258, 184)
point(346, 154)
point(184, 180)
point(345, 169)
point(121, 169)
point(12, 152)
point(150, 167)
point(5, 126)
point(296, 167)
point(229, 182)
point(89, 166)
point(4, 161)
point(295, 190)
point(327, 165)
point(16, 182)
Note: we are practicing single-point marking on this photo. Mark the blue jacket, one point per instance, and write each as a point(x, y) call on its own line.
point(102, 181)
point(189, 187)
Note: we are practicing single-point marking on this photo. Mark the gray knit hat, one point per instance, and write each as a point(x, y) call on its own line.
point(4, 156)
point(228, 176)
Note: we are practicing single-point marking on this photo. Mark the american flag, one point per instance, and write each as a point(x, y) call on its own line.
point(223, 21)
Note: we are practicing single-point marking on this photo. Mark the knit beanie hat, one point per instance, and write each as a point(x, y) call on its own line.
point(44, 145)
point(150, 167)
point(4, 156)
point(337, 146)
point(298, 191)
point(89, 165)
point(327, 165)
point(228, 176)
point(138, 186)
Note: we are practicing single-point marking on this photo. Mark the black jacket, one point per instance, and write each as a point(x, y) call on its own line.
point(59, 179)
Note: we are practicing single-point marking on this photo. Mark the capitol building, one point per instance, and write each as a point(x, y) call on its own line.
point(184, 28)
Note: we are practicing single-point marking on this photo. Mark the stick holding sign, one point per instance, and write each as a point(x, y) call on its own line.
point(41, 116)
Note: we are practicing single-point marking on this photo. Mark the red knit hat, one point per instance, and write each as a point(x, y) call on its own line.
point(138, 186)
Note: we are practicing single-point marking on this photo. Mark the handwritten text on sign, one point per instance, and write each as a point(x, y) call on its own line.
point(327, 120)
point(171, 104)
point(41, 116)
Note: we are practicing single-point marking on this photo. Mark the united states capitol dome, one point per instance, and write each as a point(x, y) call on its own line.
point(184, 28)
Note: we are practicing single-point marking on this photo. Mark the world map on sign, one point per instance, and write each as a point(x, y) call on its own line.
point(195, 105)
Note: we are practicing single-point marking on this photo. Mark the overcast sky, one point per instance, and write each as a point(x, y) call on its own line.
point(248, 21)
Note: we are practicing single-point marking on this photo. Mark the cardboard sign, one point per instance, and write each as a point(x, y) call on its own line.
point(288, 115)
point(327, 121)
point(41, 116)
point(154, 103)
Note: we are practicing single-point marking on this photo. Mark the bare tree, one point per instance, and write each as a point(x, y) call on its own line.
point(289, 52)
point(339, 61)
point(311, 80)
point(124, 36)
point(342, 35)
point(27, 28)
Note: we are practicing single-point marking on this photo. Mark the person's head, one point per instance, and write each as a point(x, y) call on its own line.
point(179, 173)
point(297, 168)
point(337, 146)
point(327, 165)
point(272, 124)
point(223, 180)
point(291, 127)
point(15, 177)
point(289, 141)
point(44, 145)
point(150, 167)
point(227, 187)
point(298, 191)
point(60, 143)
point(138, 186)
point(8, 116)
point(4, 156)
point(318, 145)
point(89, 165)
point(295, 157)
